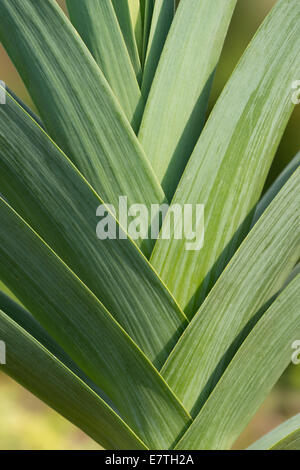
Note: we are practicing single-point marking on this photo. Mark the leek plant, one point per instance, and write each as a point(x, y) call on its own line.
point(142, 343)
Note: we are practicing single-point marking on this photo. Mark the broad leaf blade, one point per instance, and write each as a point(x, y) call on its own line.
point(74, 317)
point(25, 320)
point(27, 362)
point(290, 442)
point(276, 187)
point(175, 110)
point(147, 7)
point(123, 12)
point(292, 275)
point(255, 274)
point(284, 437)
point(49, 193)
point(23, 105)
point(228, 168)
point(97, 24)
point(136, 19)
point(5, 291)
point(76, 103)
point(163, 14)
point(251, 375)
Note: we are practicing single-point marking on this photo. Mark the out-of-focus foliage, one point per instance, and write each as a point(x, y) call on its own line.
point(27, 423)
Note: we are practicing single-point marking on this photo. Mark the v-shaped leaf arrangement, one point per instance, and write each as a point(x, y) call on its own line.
point(143, 344)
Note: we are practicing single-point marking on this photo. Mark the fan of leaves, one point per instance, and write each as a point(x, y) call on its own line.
point(143, 344)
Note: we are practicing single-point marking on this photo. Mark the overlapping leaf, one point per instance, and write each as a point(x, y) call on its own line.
point(275, 187)
point(25, 320)
point(37, 369)
point(253, 277)
point(5, 291)
point(137, 23)
point(50, 194)
point(77, 320)
point(284, 437)
point(229, 165)
point(97, 24)
point(175, 110)
point(251, 375)
point(80, 340)
point(123, 12)
point(163, 14)
point(76, 103)
point(147, 11)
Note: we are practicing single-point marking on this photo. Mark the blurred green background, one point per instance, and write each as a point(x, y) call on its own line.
point(25, 422)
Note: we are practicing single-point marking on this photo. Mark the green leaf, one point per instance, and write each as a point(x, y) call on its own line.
point(34, 367)
point(291, 442)
point(136, 19)
point(163, 14)
point(147, 8)
point(230, 163)
point(64, 80)
point(292, 275)
point(45, 188)
point(123, 12)
point(284, 437)
point(26, 321)
point(5, 291)
point(251, 375)
point(255, 274)
point(23, 105)
point(97, 24)
point(175, 110)
point(276, 187)
point(80, 324)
